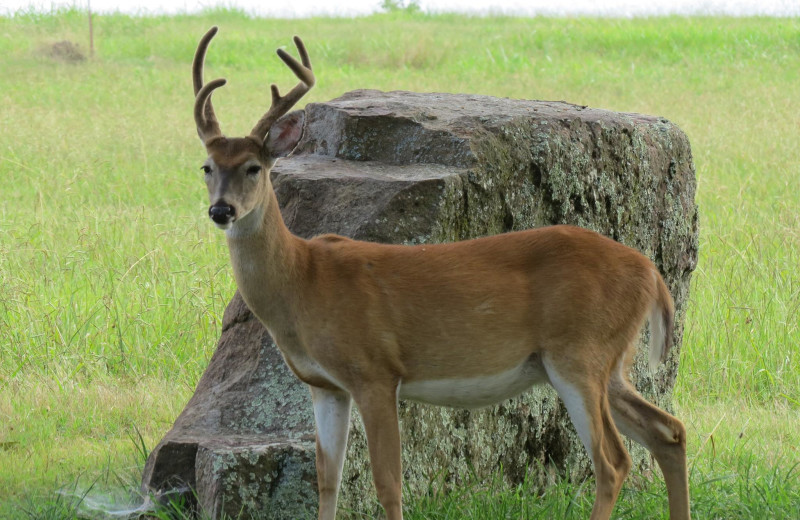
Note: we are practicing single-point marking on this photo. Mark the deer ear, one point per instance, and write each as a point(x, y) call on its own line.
point(284, 135)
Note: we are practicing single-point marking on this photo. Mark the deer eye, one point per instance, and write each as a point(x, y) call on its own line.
point(253, 170)
point(206, 169)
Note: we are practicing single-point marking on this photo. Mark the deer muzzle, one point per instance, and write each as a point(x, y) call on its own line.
point(222, 213)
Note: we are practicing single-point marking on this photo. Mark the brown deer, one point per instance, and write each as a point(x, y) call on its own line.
point(466, 324)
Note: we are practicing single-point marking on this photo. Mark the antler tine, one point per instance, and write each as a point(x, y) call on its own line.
point(207, 124)
point(303, 72)
point(282, 105)
point(207, 128)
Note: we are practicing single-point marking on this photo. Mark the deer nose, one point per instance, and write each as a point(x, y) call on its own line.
point(221, 213)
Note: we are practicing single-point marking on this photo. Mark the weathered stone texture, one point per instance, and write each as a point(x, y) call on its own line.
point(410, 168)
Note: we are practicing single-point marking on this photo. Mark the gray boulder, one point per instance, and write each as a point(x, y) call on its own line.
point(411, 168)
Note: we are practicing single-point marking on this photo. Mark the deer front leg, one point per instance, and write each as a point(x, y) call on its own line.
point(378, 407)
point(332, 416)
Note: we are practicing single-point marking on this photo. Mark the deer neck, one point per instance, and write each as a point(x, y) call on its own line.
point(266, 258)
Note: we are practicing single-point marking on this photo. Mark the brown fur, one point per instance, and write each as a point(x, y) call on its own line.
point(441, 299)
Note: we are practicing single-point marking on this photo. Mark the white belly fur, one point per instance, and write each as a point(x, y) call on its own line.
point(476, 392)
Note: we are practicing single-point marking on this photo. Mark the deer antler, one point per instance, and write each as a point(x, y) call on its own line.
point(282, 105)
point(206, 120)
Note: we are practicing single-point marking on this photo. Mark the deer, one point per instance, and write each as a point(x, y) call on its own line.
point(464, 324)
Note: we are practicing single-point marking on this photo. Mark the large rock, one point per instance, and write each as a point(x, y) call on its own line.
point(411, 168)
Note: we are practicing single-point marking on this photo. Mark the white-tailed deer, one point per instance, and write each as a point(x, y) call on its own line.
point(466, 324)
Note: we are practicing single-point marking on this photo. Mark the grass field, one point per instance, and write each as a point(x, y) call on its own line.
point(113, 282)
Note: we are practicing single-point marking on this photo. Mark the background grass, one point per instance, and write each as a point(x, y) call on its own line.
point(113, 283)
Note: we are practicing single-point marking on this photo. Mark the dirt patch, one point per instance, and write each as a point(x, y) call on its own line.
point(65, 51)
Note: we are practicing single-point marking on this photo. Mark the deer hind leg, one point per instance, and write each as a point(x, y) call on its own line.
point(332, 417)
point(586, 400)
point(659, 432)
point(378, 407)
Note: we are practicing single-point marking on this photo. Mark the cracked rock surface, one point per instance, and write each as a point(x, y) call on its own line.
point(410, 168)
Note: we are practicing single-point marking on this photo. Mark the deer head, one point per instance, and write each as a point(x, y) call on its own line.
point(237, 169)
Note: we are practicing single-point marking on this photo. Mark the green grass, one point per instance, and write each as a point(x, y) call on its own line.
point(113, 282)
